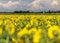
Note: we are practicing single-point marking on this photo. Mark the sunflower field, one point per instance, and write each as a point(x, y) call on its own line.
point(29, 28)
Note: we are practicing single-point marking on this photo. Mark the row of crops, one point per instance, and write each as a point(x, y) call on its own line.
point(29, 28)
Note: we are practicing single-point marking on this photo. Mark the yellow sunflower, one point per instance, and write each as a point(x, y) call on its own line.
point(22, 32)
point(37, 36)
point(1, 21)
point(51, 31)
point(6, 21)
point(10, 28)
point(14, 40)
point(32, 30)
point(1, 30)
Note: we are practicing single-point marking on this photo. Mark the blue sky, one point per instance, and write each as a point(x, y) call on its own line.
point(31, 5)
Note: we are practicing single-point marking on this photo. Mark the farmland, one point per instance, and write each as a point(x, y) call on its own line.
point(29, 27)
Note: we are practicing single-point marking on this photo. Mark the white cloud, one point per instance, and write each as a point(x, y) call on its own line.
point(54, 3)
point(45, 5)
point(9, 4)
point(34, 5)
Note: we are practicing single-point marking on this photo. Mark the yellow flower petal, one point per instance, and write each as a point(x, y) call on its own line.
point(51, 30)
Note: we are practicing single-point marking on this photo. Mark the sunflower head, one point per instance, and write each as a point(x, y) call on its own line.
point(10, 28)
point(53, 32)
point(1, 30)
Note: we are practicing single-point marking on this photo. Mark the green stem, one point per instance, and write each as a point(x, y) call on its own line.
point(7, 39)
point(26, 40)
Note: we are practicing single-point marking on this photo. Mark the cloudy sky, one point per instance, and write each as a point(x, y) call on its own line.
point(31, 5)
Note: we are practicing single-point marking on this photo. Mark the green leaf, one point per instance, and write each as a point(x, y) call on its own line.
point(2, 41)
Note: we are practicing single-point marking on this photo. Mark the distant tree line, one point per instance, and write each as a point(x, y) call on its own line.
point(37, 12)
point(21, 11)
point(52, 11)
point(32, 12)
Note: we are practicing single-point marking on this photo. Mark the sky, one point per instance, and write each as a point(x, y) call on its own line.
point(31, 5)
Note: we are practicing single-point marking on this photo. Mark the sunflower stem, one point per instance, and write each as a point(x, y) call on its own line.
point(7, 39)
